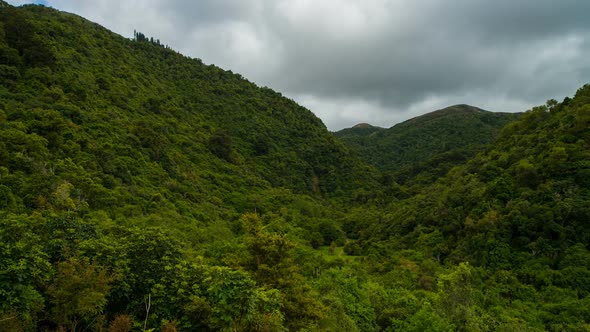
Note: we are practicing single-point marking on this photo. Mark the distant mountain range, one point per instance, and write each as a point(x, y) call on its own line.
point(459, 127)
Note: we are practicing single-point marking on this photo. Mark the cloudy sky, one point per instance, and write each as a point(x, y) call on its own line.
point(375, 61)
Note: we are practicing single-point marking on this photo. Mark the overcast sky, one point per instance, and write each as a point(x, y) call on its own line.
point(375, 61)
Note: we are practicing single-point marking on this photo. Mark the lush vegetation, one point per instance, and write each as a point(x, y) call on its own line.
point(459, 129)
point(143, 190)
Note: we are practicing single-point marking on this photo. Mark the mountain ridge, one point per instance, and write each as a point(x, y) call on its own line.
point(421, 138)
point(185, 90)
point(453, 109)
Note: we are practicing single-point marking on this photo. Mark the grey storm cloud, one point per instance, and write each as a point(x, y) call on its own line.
point(376, 61)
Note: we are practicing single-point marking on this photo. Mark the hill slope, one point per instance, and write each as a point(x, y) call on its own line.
point(517, 212)
point(459, 127)
point(125, 163)
point(109, 116)
point(140, 189)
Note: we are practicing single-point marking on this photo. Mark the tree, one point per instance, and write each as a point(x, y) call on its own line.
point(271, 262)
point(220, 144)
point(458, 300)
point(329, 232)
point(78, 292)
point(236, 303)
point(24, 268)
point(428, 319)
point(269, 252)
point(121, 323)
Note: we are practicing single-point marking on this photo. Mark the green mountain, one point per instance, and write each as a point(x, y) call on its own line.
point(455, 128)
point(359, 131)
point(102, 136)
point(517, 213)
point(107, 114)
point(141, 190)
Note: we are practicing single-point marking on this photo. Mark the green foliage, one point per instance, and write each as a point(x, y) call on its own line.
point(237, 306)
point(344, 293)
point(24, 268)
point(515, 207)
point(140, 189)
point(121, 323)
point(271, 262)
point(427, 319)
point(78, 292)
point(454, 132)
point(220, 144)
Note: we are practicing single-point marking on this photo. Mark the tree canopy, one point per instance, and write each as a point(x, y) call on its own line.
point(144, 190)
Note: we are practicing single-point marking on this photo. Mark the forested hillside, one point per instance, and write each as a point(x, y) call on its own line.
point(459, 129)
point(141, 190)
point(120, 158)
point(512, 222)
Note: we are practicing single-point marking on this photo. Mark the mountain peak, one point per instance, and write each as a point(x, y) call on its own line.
point(418, 139)
point(453, 111)
point(459, 108)
point(364, 126)
point(464, 107)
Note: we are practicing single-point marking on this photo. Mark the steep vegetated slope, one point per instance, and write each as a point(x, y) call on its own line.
point(461, 129)
point(100, 135)
point(518, 213)
point(140, 189)
point(131, 111)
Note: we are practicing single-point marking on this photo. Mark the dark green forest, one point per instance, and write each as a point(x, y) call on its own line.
point(143, 190)
point(431, 144)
